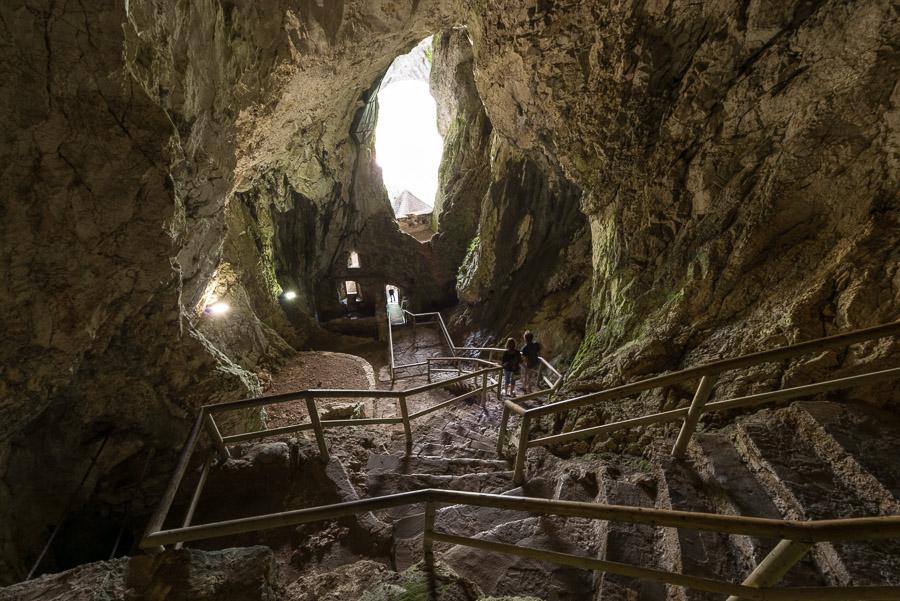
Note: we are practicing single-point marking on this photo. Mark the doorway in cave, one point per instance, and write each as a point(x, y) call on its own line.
point(395, 304)
point(350, 295)
point(408, 146)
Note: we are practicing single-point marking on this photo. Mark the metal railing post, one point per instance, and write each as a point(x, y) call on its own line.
point(501, 434)
point(484, 388)
point(428, 551)
point(317, 427)
point(391, 348)
point(775, 565)
point(407, 431)
point(213, 430)
point(195, 499)
point(693, 416)
point(162, 510)
point(519, 470)
point(429, 370)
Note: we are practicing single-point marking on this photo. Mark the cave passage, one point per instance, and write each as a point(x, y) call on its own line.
point(408, 146)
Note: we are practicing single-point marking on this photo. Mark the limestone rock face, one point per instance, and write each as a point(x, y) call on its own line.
point(132, 132)
point(729, 169)
point(528, 266)
point(737, 161)
point(510, 226)
point(95, 341)
point(464, 173)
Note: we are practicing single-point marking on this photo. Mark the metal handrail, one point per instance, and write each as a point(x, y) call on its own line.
point(708, 373)
point(455, 350)
point(206, 420)
point(797, 537)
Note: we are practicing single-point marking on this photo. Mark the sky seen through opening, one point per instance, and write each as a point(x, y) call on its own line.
point(408, 146)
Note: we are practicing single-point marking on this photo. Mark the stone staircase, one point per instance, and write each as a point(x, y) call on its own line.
point(455, 449)
point(809, 460)
point(799, 460)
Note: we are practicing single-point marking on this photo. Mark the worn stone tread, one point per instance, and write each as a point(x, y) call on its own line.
point(805, 486)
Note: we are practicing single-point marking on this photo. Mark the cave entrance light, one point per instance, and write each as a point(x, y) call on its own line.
point(408, 146)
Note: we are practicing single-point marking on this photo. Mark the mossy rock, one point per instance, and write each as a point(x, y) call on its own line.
point(412, 585)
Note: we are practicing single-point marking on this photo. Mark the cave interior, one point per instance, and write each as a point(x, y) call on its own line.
point(198, 208)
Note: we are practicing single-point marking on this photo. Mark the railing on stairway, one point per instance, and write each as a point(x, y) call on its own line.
point(431, 317)
point(691, 414)
point(796, 537)
point(436, 318)
point(206, 420)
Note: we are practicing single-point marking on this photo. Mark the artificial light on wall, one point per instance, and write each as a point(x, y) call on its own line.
point(289, 295)
point(218, 308)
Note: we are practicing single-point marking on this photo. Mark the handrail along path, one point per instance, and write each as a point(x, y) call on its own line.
point(796, 537)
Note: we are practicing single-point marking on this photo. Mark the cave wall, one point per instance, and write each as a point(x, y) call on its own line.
point(735, 163)
point(510, 228)
point(738, 162)
point(95, 341)
point(465, 169)
point(127, 135)
point(529, 265)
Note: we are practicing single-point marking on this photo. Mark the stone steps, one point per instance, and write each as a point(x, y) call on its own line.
point(805, 485)
point(408, 522)
point(857, 439)
point(512, 576)
point(463, 520)
point(418, 464)
point(507, 575)
point(733, 489)
point(633, 544)
point(691, 552)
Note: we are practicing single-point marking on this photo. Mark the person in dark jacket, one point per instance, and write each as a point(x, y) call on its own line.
point(511, 361)
point(531, 354)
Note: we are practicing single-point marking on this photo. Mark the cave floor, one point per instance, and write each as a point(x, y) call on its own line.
point(371, 456)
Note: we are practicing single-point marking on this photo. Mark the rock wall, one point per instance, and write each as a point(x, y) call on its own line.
point(464, 172)
point(131, 137)
point(509, 227)
point(96, 343)
point(529, 265)
point(735, 163)
point(737, 159)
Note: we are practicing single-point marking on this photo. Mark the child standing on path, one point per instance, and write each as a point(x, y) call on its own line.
point(510, 361)
point(531, 352)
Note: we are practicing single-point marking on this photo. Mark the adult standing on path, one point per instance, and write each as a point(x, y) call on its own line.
point(511, 361)
point(531, 353)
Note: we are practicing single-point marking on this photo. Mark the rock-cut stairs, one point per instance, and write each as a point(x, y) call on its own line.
point(809, 460)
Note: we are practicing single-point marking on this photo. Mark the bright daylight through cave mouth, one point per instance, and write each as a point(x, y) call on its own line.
point(407, 143)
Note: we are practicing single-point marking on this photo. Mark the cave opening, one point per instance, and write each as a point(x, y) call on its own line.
point(408, 146)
